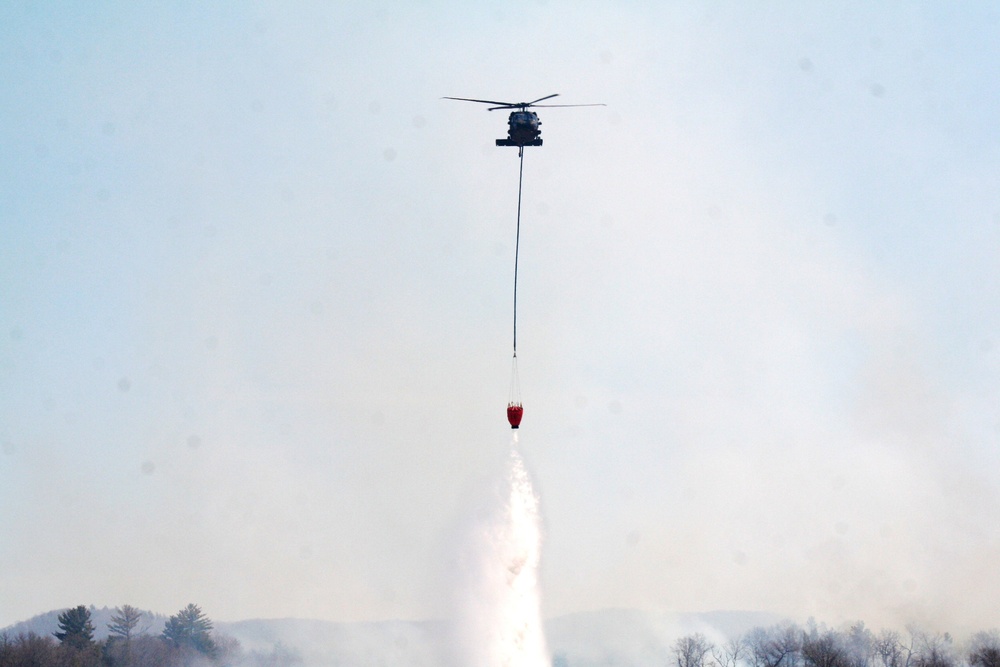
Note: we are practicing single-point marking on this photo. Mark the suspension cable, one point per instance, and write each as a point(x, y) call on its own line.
point(514, 397)
point(517, 238)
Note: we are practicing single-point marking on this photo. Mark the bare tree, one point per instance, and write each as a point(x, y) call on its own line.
point(228, 650)
point(771, 647)
point(825, 649)
point(28, 650)
point(933, 650)
point(889, 650)
point(690, 651)
point(731, 653)
point(150, 651)
point(984, 649)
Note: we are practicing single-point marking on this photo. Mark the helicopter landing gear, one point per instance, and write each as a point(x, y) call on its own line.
point(511, 142)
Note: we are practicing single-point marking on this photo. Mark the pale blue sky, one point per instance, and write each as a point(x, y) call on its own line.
point(255, 304)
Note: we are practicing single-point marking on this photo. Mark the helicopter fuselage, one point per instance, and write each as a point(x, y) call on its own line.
point(522, 130)
point(523, 124)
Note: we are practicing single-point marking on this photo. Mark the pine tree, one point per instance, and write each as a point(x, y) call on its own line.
point(77, 630)
point(124, 621)
point(121, 633)
point(190, 628)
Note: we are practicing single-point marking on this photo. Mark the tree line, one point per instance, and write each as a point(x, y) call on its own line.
point(187, 640)
point(788, 645)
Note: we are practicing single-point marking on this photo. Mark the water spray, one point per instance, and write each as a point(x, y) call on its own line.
point(501, 620)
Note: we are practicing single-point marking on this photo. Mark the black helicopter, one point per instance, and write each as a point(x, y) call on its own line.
point(522, 124)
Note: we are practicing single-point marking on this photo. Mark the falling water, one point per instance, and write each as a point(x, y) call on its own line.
point(501, 622)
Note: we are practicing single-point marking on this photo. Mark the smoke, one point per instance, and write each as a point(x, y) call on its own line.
point(498, 619)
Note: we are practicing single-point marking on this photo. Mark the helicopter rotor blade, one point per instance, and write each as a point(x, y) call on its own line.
point(467, 99)
point(540, 99)
point(553, 106)
point(520, 105)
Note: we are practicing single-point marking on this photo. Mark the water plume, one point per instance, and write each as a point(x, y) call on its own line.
point(499, 620)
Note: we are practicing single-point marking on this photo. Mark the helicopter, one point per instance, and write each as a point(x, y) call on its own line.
point(522, 131)
point(522, 124)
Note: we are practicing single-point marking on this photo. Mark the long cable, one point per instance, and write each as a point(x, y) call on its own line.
point(517, 239)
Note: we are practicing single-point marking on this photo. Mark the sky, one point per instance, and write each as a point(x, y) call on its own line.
point(255, 305)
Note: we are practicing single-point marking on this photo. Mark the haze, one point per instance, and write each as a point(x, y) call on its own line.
point(255, 282)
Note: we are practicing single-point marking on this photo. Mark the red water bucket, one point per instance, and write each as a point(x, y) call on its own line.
point(514, 413)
